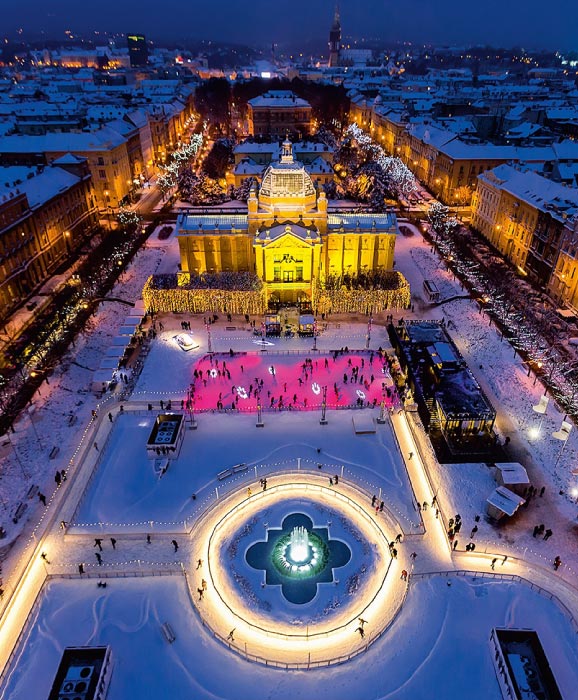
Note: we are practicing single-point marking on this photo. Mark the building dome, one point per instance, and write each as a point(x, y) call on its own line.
point(287, 184)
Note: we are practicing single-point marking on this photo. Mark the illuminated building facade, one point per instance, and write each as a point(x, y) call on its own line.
point(287, 237)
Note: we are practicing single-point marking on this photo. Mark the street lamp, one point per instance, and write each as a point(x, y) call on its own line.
point(323, 420)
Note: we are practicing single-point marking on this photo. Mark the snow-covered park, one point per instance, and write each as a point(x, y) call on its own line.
point(438, 642)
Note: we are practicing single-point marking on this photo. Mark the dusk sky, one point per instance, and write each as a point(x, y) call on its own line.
point(532, 23)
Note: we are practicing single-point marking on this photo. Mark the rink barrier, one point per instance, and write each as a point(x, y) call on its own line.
point(229, 481)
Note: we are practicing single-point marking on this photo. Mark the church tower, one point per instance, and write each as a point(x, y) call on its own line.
point(335, 39)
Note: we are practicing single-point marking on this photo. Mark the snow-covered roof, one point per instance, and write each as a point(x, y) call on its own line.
point(41, 187)
point(279, 98)
point(505, 500)
point(543, 194)
point(513, 473)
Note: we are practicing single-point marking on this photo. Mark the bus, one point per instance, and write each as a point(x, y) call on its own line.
point(431, 291)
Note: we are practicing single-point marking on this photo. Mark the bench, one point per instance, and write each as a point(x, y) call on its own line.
point(224, 474)
point(168, 633)
point(19, 512)
point(230, 328)
point(240, 468)
point(54, 452)
point(72, 419)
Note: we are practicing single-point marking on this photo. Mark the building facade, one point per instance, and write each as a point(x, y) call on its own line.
point(278, 113)
point(42, 222)
point(288, 238)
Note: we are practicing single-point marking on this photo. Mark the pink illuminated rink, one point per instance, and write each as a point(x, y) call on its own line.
point(291, 382)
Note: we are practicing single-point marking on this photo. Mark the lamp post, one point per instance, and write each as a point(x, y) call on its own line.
point(369, 325)
point(209, 343)
point(259, 423)
point(323, 420)
point(315, 335)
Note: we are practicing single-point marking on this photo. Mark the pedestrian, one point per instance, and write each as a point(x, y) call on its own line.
point(98, 558)
point(394, 553)
point(505, 559)
point(204, 584)
point(381, 505)
point(200, 591)
point(81, 569)
point(230, 637)
point(557, 563)
point(437, 512)
point(45, 557)
point(541, 528)
point(110, 417)
point(455, 544)
point(419, 507)
point(410, 455)
point(199, 563)
point(404, 575)
point(493, 564)
point(175, 545)
point(373, 500)
point(424, 505)
point(548, 534)
point(42, 498)
point(336, 479)
point(148, 539)
point(249, 492)
point(330, 481)
point(398, 538)
point(98, 543)
point(57, 478)
point(361, 632)
point(95, 445)
point(113, 542)
point(473, 532)
point(542, 491)
point(413, 555)
point(535, 531)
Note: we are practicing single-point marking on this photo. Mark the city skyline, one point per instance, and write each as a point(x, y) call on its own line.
point(444, 22)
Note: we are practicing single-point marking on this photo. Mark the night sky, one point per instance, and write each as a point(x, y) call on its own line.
point(531, 23)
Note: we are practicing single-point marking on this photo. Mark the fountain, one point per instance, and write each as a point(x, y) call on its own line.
point(299, 545)
point(298, 557)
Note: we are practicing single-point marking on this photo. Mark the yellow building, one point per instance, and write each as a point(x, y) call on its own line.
point(288, 238)
point(529, 219)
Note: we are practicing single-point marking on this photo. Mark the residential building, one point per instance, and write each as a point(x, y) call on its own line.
point(45, 216)
point(278, 113)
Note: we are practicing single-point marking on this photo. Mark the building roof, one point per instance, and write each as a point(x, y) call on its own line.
point(278, 98)
point(544, 195)
point(363, 222)
point(505, 500)
point(42, 187)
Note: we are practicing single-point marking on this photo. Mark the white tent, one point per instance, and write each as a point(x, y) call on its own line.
point(109, 363)
point(115, 352)
point(126, 330)
point(100, 380)
point(119, 341)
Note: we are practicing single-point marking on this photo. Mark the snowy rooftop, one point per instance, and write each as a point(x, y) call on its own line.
point(528, 186)
point(278, 98)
